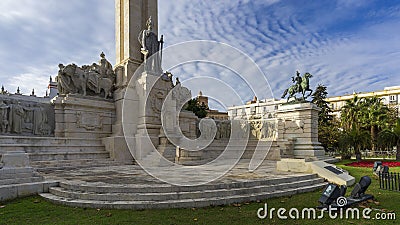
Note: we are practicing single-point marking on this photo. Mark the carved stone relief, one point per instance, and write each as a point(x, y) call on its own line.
point(25, 118)
point(90, 123)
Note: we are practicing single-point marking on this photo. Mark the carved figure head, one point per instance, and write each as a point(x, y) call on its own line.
point(149, 24)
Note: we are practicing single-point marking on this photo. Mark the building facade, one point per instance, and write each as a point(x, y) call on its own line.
point(257, 108)
point(390, 96)
point(213, 114)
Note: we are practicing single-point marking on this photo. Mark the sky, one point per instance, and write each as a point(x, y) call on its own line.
point(348, 45)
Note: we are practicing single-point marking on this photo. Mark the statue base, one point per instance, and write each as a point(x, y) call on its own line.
point(83, 117)
point(300, 123)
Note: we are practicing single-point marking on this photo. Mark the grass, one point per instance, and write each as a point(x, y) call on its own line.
point(34, 210)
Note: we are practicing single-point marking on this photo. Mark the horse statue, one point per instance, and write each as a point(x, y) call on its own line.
point(73, 73)
point(98, 84)
point(301, 88)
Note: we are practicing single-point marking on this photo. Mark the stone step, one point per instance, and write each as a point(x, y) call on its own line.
point(234, 147)
point(240, 143)
point(50, 148)
point(4, 176)
point(180, 203)
point(215, 154)
point(167, 188)
point(72, 162)
point(13, 191)
point(46, 141)
point(21, 180)
point(179, 195)
point(68, 156)
point(43, 166)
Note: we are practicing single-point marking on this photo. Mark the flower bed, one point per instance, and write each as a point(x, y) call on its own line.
point(371, 164)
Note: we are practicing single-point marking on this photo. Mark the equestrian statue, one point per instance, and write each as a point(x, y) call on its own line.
point(301, 85)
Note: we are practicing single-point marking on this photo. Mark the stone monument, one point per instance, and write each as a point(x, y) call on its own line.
point(131, 17)
point(84, 108)
point(301, 85)
point(299, 119)
point(25, 116)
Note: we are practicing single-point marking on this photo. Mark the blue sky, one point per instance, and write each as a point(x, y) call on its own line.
point(348, 45)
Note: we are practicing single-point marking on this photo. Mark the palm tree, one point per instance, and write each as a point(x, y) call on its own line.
point(391, 137)
point(374, 115)
point(351, 113)
point(356, 139)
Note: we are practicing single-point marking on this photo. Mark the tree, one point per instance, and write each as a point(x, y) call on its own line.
point(365, 115)
point(351, 114)
point(200, 110)
point(390, 137)
point(355, 139)
point(327, 134)
point(374, 115)
point(319, 97)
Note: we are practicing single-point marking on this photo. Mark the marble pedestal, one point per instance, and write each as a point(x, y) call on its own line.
point(300, 123)
point(83, 117)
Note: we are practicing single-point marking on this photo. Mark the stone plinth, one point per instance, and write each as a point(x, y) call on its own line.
point(15, 159)
point(152, 91)
point(300, 123)
point(327, 171)
point(18, 179)
point(187, 123)
point(83, 117)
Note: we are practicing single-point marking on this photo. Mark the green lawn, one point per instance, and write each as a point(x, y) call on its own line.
point(34, 210)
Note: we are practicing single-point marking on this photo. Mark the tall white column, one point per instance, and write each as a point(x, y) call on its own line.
point(130, 20)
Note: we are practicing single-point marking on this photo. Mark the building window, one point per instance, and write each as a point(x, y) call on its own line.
point(392, 99)
point(253, 110)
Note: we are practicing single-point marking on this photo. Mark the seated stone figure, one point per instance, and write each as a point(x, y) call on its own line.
point(93, 80)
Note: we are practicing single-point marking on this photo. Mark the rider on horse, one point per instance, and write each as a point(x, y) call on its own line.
point(302, 85)
point(297, 80)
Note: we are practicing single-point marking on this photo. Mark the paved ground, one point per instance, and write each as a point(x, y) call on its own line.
point(129, 175)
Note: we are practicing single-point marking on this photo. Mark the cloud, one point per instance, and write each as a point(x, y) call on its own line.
point(340, 41)
point(37, 36)
point(346, 45)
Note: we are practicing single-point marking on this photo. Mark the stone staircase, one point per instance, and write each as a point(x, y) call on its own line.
point(50, 153)
point(156, 195)
point(18, 179)
point(216, 148)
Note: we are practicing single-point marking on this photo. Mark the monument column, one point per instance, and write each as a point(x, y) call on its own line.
point(130, 19)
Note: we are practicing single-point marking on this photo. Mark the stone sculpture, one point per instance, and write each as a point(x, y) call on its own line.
point(16, 118)
point(151, 48)
point(207, 129)
point(181, 94)
point(302, 85)
point(225, 129)
point(24, 118)
point(3, 117)
point(95, 79)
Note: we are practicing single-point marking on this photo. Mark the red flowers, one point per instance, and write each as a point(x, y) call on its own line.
point(371, 164)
